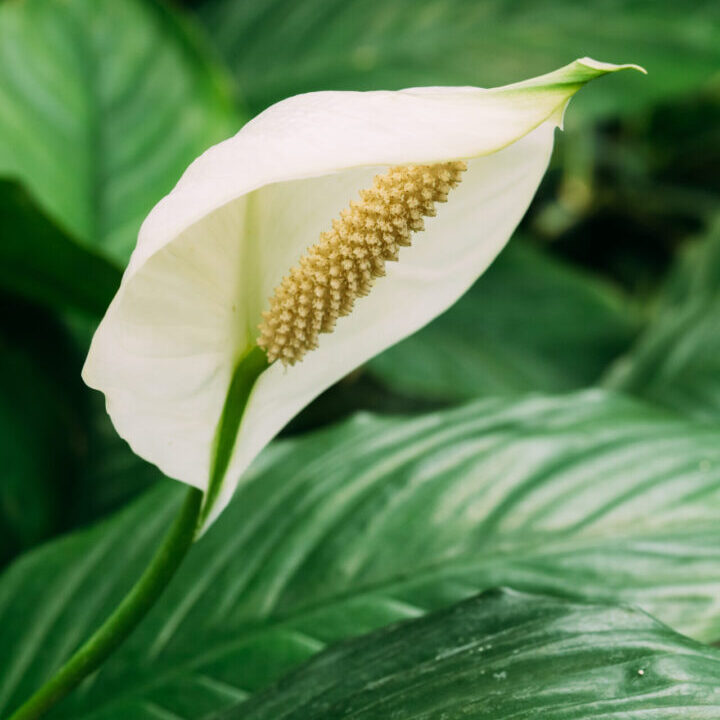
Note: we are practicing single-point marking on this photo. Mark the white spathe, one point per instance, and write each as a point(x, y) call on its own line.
point(211, 253)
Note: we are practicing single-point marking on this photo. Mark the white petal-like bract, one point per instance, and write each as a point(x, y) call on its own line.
point(210, 254)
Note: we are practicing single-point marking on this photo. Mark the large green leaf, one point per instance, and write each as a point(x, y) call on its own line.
point(41, 262)
point(530, 323)
point(102, 105)
point(373, 521)
point(504, 656)
point(676, 361)
point(283, 47)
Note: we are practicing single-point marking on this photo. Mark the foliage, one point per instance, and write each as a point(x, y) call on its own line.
point(290, 47)
point(503, 655)
point(530, 323)
point(589, 496)
point(104, 104)
point(677, 360)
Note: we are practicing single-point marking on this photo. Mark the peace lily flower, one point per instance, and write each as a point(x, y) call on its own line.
point(264, 276)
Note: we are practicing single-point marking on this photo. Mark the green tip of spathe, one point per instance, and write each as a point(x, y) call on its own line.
point(609, 67)
point(582, 71)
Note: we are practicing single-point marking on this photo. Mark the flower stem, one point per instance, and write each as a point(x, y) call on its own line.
point(126, 616)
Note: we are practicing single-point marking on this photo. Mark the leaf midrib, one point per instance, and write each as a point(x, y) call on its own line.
point(96, 138)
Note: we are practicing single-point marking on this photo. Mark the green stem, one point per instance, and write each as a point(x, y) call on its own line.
point(126, 616)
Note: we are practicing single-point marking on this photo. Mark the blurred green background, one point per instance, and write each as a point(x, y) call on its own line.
point(611, 280)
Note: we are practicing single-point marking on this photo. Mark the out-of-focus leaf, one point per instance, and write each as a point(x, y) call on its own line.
point(40, 438)
point(41, 262)
point(31, 454)
point(374, 521)
point(501, 656)
point(103, 103)
point(359, 391)
point(111, 474)
point(284, 47)
point(530, 323)
point(676, 361)
point(63, 464)
point(633, 191)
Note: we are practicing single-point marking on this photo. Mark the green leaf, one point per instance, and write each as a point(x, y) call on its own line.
point(103, 103)
point(63, 464)
point(377, 520)
point(676, 361)
point(40, 422)
point(111, 474)
point(284, 47)
point(530, 323)
point(501, 656)
point(42, 263)
point(32, 455)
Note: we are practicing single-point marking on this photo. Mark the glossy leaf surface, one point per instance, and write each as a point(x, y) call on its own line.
point(374, 521)
point(504, 656)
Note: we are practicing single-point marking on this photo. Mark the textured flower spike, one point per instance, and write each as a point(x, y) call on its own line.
point(343, 265)
point(264, 276)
